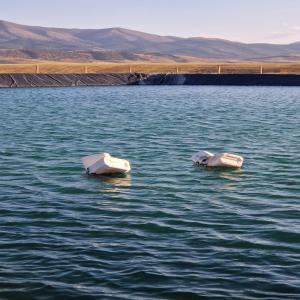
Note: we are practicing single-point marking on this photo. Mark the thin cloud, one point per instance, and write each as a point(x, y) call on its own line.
point(288, 33)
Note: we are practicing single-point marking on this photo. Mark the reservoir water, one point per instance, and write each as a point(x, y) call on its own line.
point(168, 230)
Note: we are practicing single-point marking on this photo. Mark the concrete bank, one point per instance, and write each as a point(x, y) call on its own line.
point(67, 80)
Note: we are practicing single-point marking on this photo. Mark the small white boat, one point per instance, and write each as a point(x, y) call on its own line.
point(208, 159)
point(104, 163)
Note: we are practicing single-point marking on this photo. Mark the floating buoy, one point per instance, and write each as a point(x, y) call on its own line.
point(208, 159)
point(104, 163)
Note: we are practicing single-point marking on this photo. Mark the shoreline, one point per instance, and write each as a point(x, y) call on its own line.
point(113, 79)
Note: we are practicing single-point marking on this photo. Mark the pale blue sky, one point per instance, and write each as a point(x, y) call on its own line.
point(274, 21)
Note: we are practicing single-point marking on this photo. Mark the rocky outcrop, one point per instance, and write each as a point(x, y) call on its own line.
point(68, 80)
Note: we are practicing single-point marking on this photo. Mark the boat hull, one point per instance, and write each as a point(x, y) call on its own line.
point(104, 163)
point(225, 160)
point(218, 160)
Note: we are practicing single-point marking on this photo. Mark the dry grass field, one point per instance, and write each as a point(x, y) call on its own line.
point(183, 68)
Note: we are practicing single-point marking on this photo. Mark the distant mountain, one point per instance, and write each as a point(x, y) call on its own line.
point(118, 44)
point(33, 55)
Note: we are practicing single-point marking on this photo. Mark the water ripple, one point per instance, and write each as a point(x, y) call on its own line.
point(168, 230)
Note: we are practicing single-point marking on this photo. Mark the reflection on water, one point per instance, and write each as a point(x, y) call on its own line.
point(228, 178)
point(112, 183)
point(122, 181)
point(233, 174)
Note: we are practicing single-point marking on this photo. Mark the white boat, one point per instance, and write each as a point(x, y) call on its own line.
point(208, 159)
point(104, 163)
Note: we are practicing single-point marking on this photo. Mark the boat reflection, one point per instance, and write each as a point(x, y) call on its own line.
point(112, 183)
point(226, 178)
point(116, 180)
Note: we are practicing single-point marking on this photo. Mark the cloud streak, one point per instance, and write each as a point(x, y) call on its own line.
point(289, 33)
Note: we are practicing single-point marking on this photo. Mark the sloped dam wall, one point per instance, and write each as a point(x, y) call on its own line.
point(68, 80)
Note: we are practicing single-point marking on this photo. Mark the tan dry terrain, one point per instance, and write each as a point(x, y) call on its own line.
point(203, 68)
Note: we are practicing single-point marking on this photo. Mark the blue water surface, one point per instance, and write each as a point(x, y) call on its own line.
point(168, 230)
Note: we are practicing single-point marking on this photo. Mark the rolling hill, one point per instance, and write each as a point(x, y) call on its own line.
point(24, 43)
